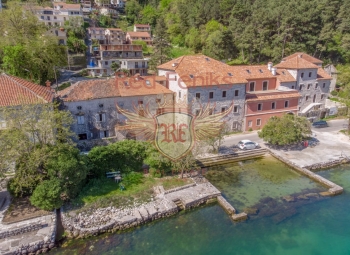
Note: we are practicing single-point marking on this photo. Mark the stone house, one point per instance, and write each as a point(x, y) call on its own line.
point(199, 80)
point(15, 92)
point(93, 104)
point(142, 28)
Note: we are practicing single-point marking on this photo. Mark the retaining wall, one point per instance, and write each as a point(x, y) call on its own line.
point(333, 188)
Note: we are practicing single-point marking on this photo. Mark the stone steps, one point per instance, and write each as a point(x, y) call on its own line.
point(179, 204)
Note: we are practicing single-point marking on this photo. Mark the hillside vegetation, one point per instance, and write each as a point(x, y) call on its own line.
point(252, 31)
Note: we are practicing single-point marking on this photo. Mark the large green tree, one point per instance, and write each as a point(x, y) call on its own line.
point(288, 129)
point(26, 48)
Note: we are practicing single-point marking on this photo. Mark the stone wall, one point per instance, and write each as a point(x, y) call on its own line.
point(328, 164)
point(334, 189)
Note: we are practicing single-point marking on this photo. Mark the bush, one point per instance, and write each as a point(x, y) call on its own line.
point(46, 196)
point(64, 85)
point(132, 178)
point(250, 129)
point(334, 93)
point(155, 173)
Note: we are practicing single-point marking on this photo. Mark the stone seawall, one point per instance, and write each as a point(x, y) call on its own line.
point(328, 164)
point(333, 188)
point(111, 219)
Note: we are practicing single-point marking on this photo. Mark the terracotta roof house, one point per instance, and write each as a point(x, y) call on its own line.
point(93, 104)
point(139, 36)
point(16, 91)
point(142, 28)
point(297, 85)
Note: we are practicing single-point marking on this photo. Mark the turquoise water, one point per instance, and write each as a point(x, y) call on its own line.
point(316, 226)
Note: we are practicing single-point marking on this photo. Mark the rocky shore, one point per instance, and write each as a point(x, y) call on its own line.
point(111, 219)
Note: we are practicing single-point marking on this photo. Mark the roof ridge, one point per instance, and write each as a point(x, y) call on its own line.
point(26, 88)
point(182, 57)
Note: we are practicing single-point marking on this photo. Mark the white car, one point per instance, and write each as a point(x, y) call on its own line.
point(247, 145)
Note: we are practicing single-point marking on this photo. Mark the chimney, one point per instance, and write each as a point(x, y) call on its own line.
point(273, 70)
point(269, 65)
point(48, 84)
point(300, 55)
point(174, 64)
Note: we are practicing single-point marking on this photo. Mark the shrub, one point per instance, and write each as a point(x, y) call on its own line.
point(132, 178)
point(155, 173)
point(334, 93)
point(250, 129)
point(46, 195)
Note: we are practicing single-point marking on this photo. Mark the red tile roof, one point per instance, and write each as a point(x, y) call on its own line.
point(284, 76)
point(119, 87)
point(271, 96)
point(252, 72)
point(323, 75)
point(139, 34)
point(17, 91)
point(67, 6)
point(305, 56)
point(200, 70)
point(296, 63)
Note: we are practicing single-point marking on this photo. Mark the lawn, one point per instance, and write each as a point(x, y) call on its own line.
point(100, 193)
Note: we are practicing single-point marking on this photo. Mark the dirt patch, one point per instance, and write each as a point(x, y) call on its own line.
point(21, 209)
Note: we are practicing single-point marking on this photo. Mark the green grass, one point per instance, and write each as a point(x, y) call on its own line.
point(334, 99)
point(100, 193)
point(180, 51)
point(64, 85)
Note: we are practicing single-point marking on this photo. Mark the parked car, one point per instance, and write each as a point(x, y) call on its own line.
point(247, 145)
point(320, 124)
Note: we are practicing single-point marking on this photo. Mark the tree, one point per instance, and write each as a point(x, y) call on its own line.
point(46, 196)
point(215, 142)
point(29, 128)
point(27, 50)
point(115, 66)
point(161, 45)
point(157, 161)
point(186, 163)
point(124, 156)
point(285, 130)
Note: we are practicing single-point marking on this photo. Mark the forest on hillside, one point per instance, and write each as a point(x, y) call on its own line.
point(252, 31)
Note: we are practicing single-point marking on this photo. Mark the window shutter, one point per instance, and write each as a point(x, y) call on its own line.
point(103, 117)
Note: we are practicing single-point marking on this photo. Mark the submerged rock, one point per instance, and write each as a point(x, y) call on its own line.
point(326, 194)
point(312, 195)
point(278, 218)
point(303, 197)
point(289, 199)
point(251, 211)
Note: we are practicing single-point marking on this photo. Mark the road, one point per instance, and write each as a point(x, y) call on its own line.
point(333, 126)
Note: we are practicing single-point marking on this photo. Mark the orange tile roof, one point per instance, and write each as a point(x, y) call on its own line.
point(252, 72)
point(94, 89)
point(200, 70)
point(323, 75)
point(296, 63)
point(139, 34)
point(305, 56)
point(17, 91)
point(271, 96)
point(67, 6)
point(284, 76)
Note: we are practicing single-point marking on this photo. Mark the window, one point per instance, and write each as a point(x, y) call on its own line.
point(316, 85)
point(198, 95)
point(104, 133)
point(273, 105)
point(309, 86)
point(265, 86)
point(42, 17)
point(224, 94)
point(106, 63)
point(306, 98)
point(259, 107)
point(251, 86)
point(236, 92)
point(302, 75)
point(292, 87)
point(223, 109)
point(235, 109)
point(79, 107)
point(300, 100)
point(250, 123)
point(179, 94)
point(211, 95)
point(322, 96)
point(100, 105)
point(140, 102)
point(82, 136)
point(197, 112)
point(54, 17)
point(310, 74)
point(211, 111)
point(324, 85)
point(158, 100)
point(301, 86)
point(81, 120)
point(258, 122)
point(101, 117)
point(286, 104)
